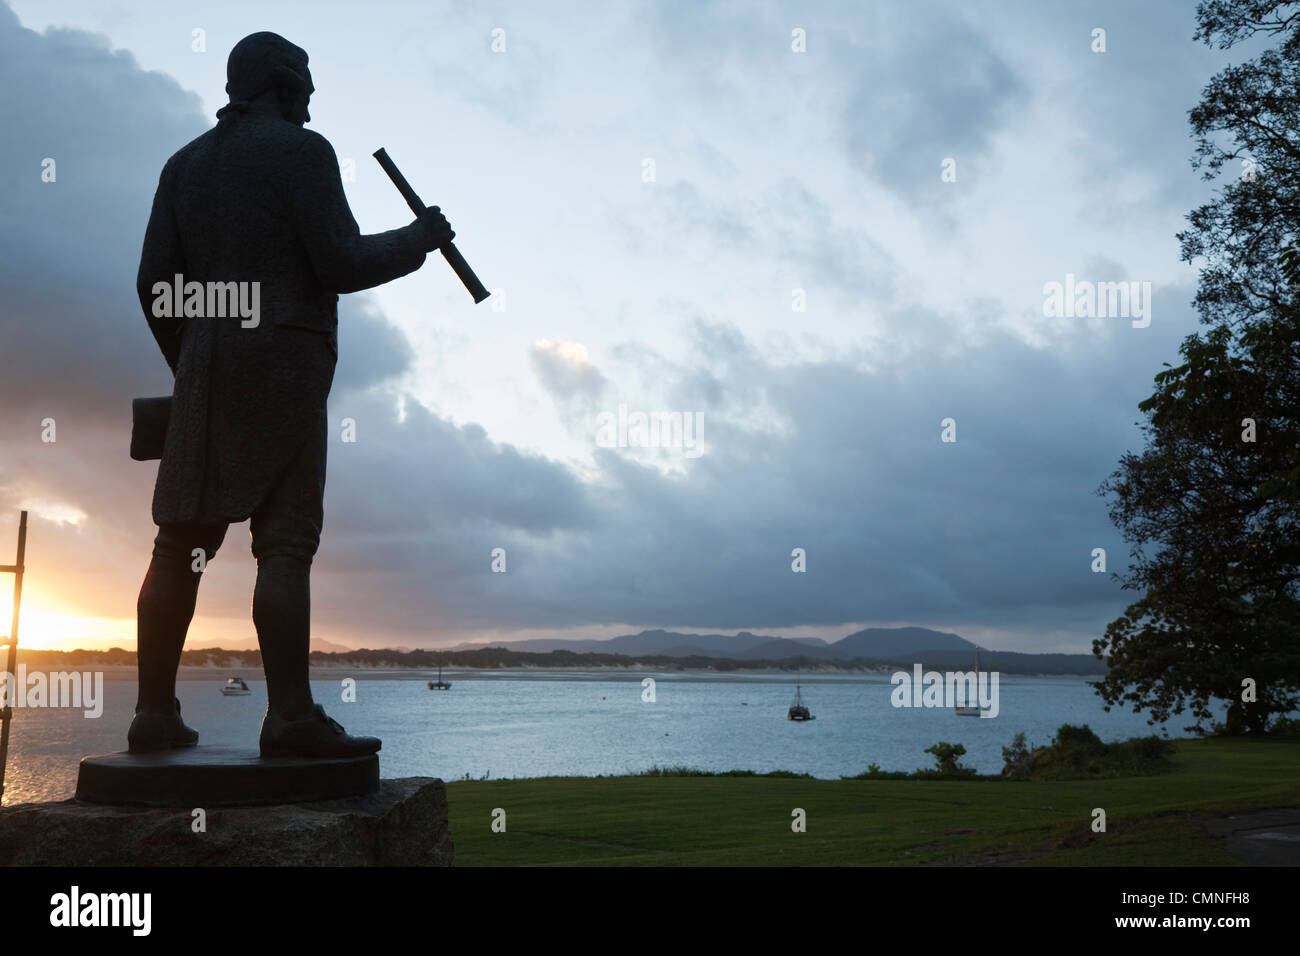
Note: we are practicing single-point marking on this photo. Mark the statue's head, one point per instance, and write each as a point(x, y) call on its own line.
point(268, 65)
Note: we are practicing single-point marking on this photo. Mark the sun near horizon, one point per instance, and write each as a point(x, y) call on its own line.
point(41, 629)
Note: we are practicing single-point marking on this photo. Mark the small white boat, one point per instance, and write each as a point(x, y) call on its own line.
point(235, 687)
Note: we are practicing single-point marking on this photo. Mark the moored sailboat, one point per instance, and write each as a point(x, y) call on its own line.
point(968, 709)
point(439, 684)
point(797, 710)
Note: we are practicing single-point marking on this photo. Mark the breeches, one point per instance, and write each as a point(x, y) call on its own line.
point(287, 524)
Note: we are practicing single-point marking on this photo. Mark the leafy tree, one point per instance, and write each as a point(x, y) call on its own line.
point(1210, 504)
point(946, 754)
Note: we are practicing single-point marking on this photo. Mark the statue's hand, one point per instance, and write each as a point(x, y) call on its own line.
point(436, 229)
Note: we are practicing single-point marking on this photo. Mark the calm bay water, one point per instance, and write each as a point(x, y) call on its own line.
point(538, 724)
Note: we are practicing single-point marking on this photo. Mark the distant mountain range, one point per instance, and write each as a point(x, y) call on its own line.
point(875, 648)
point(894, 645)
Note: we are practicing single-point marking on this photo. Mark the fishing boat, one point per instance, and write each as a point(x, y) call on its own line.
point(235, 687)
point(797, 710)
point(439, 684)
point(968, 709)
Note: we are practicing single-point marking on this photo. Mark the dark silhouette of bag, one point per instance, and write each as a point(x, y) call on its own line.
point(149, 419)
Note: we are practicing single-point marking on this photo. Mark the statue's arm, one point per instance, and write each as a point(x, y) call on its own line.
point(160, 260)
point(343, 259)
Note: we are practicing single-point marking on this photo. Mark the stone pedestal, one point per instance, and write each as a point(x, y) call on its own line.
point(402, 823)
point(221, 777)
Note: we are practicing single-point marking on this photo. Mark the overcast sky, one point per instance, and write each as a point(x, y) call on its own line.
point(774, 171)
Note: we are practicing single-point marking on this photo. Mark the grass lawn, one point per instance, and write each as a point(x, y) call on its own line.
point(745, 821)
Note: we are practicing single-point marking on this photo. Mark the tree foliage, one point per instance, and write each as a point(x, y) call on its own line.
point(1209, 505)
point(946, 758)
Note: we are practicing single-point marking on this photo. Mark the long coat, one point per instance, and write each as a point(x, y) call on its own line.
point(255, 199)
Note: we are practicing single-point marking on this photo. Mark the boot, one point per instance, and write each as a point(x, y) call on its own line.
point(313, 736)
point(151, 731)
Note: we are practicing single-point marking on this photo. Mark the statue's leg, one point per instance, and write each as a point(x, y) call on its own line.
point(165, 607)
point(282, 616)
point(286, 530)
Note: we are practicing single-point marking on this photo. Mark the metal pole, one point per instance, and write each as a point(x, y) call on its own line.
point(6, 713)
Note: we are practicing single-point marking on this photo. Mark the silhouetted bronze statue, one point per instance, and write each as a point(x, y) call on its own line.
point(255, 200)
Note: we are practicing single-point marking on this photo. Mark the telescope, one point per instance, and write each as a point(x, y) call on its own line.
point(449, 251)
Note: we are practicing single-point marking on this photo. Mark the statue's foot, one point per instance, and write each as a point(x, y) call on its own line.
point(313, 736)
point(152, 731)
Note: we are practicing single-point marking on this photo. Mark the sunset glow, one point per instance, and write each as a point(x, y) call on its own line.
point(42, 629)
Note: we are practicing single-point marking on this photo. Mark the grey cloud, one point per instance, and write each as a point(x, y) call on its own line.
point(565, 371)
point(898, 526)
point(930, 87)
point(371, 349)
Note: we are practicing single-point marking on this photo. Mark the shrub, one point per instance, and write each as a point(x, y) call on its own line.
point(945, 756)
point(1285, 727)
point(1017, 759)
point(1078, 752)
